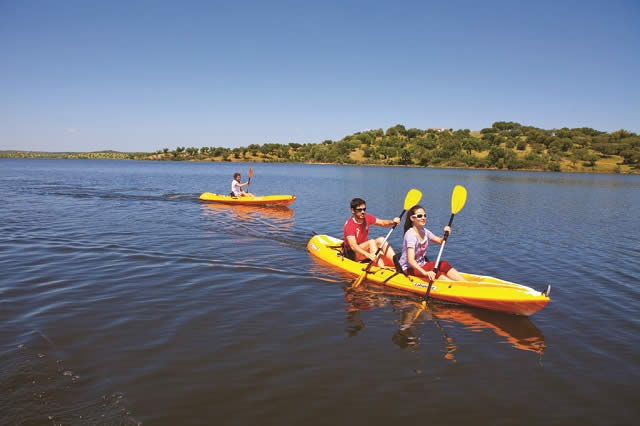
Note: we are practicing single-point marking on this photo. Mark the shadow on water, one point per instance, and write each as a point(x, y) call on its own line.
point(518, 331)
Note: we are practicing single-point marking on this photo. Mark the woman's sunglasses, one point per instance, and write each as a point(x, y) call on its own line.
point(419, 216)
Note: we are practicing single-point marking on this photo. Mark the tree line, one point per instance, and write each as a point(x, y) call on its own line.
point(97, 155)
point(504, 145)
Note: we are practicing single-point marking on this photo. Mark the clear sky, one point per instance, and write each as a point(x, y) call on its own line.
point(141, 75)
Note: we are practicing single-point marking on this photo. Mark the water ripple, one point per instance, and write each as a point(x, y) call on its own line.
point(150, 306)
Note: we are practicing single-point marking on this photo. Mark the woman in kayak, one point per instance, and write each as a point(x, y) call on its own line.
point(414, 248)
point(357, 245)
point(236, 186)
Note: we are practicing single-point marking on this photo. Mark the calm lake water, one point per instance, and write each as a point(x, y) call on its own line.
point(125, 300)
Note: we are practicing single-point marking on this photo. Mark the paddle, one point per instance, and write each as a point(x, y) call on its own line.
point(249, 181)
point(413, 197)
point(458, 198)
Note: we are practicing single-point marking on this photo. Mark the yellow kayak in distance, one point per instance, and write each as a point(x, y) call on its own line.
point(476, 290)
point(255, 200)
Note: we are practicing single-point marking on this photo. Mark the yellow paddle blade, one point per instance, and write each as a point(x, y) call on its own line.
point(458, 198)
point(250, 172)
point(413, 197)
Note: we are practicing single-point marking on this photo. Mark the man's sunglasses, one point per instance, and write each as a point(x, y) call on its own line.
point(361, 209)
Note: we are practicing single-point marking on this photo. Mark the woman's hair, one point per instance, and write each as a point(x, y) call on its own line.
point(407, 222)
point(236, 174)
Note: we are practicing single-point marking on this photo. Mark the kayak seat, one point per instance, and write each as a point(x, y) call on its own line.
point(396, 263)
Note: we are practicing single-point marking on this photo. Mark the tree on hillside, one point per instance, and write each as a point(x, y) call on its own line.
point(414, 133)
point(428, 142)
point(396, 130)
point(365, 138)
point(621, 134)
point(505, 125)
point(470, 143)
point(495, 154)
point(405, 157)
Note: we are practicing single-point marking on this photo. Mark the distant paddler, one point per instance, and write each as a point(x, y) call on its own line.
point(236, 187)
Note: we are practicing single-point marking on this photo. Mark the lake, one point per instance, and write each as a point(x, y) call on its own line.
point(126, 300)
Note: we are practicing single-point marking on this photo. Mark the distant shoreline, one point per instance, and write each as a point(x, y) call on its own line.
point(137, 156)
point(503, 146)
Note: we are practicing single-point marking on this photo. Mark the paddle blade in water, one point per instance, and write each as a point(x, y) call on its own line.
point(413, 197)
point(359, 280)
point(458, 198)
point(250, 172)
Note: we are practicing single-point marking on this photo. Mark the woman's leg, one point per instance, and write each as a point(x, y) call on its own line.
point(444, 268)
point(454, 275)
point(449, 271)
point(440, 277)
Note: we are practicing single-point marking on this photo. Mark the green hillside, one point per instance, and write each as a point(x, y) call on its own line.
point(504, 145)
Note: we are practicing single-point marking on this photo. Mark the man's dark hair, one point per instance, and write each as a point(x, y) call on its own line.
point(356, 202)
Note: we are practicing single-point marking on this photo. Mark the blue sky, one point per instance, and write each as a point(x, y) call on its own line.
point(141, 75)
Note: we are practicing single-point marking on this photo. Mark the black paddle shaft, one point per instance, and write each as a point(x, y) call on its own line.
point(435, 270)
point(383, 243)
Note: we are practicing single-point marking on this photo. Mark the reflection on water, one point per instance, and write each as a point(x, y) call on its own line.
point(250, 212)
point(277, 218)
point(264, 222)
point(517, 331)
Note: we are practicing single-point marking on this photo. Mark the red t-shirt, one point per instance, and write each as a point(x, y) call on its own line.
point(359, 230)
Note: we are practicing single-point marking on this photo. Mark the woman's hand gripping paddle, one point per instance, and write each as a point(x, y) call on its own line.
point(250, 176)
point(458, 198)
point(413, 197)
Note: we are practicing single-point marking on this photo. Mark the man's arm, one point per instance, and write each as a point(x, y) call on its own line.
point(387, 222)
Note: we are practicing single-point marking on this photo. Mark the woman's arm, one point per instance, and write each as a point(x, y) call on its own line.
point(439, 240)
point(411, 258)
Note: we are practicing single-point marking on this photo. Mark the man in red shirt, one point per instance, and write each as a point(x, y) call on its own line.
point(357, 245)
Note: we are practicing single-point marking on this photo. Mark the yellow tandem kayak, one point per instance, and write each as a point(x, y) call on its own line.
point(477, 290)
point(256, 200)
